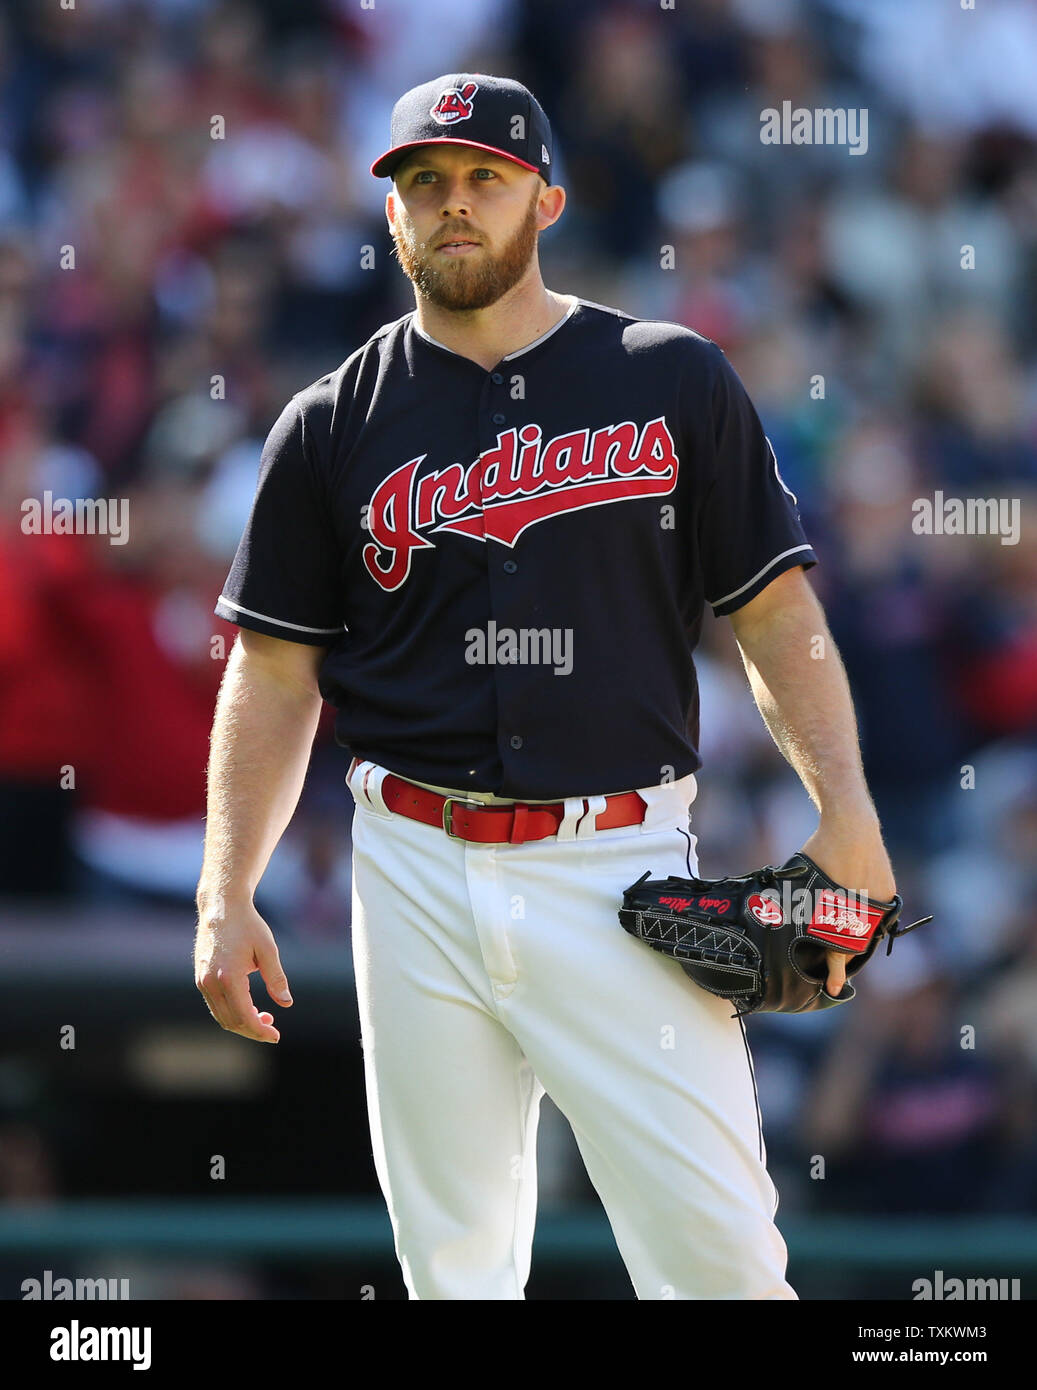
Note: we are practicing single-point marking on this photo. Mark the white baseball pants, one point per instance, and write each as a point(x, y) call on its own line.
point(489, 974)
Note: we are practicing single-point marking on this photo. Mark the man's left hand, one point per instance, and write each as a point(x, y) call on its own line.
point(852, 853)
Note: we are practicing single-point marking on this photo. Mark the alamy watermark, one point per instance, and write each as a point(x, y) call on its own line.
point(56, 1288)
point(822, 125)
point(522, 646)
point(967, 516)
point(80, 1342)
point(86, 516)
point(949, 1290)
point(842, 914)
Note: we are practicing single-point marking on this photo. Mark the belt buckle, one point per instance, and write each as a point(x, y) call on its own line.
point(448, 815)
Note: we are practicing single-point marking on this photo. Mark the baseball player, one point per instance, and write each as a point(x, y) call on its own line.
point(487, 538)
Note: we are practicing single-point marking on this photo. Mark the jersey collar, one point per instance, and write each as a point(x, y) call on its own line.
point(509, 357)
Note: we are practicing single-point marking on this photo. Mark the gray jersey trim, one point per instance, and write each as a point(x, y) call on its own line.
point(716, 602)
point(529, 346)
point(278, 622)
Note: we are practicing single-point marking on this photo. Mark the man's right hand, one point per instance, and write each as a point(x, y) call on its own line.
point(231, 942)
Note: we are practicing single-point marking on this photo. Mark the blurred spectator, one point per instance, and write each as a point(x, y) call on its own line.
point(949, 67)
point(906, 1116)
point(1006, 1022)
point(901, 250)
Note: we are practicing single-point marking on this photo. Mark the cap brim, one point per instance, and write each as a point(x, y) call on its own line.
point(385, 165)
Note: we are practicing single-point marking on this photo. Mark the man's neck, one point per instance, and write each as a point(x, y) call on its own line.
point(517, 319)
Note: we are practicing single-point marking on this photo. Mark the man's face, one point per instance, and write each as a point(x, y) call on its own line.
point(444, 194)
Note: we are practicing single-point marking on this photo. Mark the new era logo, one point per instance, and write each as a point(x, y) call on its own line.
point(545, 158)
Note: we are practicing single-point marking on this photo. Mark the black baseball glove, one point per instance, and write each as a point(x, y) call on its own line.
point(759, 939)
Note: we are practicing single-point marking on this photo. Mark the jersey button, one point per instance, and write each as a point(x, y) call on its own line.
point(498, 419)
point(496, 378)
point(515, 741)
point(510, 567)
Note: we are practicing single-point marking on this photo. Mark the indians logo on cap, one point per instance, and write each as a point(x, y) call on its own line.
point(455, 104)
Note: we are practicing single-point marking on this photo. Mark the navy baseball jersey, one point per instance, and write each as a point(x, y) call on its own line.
point(509, 567)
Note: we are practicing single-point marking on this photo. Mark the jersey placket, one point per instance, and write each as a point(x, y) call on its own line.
point(497, 414)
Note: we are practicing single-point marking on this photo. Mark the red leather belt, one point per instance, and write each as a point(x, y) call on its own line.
point(499, 825)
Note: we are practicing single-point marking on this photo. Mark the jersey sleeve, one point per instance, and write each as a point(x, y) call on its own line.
point(285, 578)
point(749, 526)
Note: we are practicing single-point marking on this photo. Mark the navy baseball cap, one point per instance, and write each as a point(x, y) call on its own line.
point(496, 114)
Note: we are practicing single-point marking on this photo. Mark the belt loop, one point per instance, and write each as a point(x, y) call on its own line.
point(589, 824)
point(518, 824)
point(355, 780)
point(373, 789)
point(575, 806)
point(365, 782)
point(668, 802)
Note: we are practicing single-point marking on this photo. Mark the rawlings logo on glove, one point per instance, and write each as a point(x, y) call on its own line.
point(760, 939)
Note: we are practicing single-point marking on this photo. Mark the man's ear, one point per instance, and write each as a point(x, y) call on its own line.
point(551, 203)
point(390, 207)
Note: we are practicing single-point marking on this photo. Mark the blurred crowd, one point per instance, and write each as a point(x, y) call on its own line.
point(163, 292)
